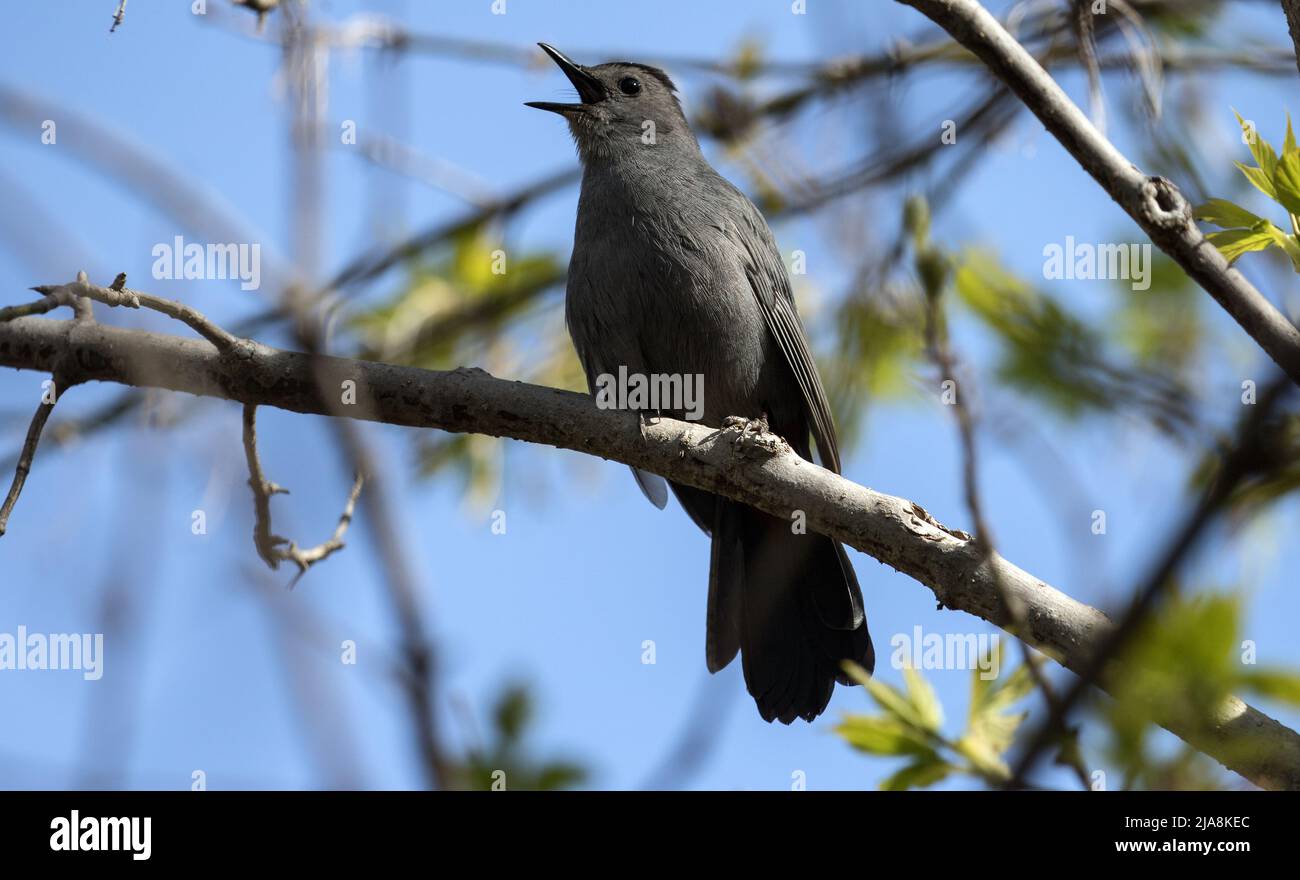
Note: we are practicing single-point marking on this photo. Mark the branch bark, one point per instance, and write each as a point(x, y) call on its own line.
point(761, 471)
point(1153, 202)
point(1292, 10)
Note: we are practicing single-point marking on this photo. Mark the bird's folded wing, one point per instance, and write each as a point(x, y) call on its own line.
point(771, 286)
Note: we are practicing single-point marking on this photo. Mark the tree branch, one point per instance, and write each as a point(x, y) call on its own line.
point(1292, 10)
point(761, 471)
point(1153, 202)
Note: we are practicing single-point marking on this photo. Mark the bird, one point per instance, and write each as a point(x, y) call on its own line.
point(675, 271)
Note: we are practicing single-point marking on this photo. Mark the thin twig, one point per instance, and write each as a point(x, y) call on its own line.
point(120, 295)
point(945, 361)
point(24, 466)
point(119, 15)
point(1086, 41)
point(271, 547)
point(37, 307)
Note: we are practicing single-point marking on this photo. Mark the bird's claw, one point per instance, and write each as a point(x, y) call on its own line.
point(643, 418)
point(749, 434)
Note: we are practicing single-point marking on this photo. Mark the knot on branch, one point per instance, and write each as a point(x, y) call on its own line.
point(1161, 204)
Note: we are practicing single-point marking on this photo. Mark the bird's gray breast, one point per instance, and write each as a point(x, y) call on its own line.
point(658, 283)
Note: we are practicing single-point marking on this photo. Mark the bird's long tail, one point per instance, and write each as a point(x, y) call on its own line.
point(790, 604)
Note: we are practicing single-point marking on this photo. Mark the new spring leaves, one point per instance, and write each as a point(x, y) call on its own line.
point(910, 725)
point(1277, 177)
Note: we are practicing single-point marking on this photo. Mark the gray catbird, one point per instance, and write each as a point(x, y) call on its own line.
point(674, 271)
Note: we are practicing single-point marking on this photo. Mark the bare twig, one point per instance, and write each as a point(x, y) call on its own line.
point(118, 15)
point(120, 295)
point(930, 265)
point(1086, 41)
point(1153, 202)
point(37, 307)
point(271, 547)
point(24, 467)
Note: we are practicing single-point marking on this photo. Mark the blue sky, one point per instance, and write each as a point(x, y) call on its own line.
point(198, 672)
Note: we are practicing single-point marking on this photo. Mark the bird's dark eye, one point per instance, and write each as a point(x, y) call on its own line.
point(629, 85)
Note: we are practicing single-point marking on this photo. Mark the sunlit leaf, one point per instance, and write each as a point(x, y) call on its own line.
point(893, 702)
point(1274, 684)
point(1286, 181)
point(1258, 179)
point(1232, 243)
point(921, 773)
point(882, 735)
point(1288, 243)
point(1224, 213)
point(1263, 152)
point(923, 699)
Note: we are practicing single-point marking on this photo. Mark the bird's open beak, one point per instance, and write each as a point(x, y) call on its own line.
point(590, 89)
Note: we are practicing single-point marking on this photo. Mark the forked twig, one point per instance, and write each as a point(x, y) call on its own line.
point(274, 548)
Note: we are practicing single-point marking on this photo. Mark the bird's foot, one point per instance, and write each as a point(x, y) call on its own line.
point(751, 434)
point(746, 426)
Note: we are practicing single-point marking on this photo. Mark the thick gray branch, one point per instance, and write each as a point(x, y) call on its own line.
point(762, 472)
point(1153, 202)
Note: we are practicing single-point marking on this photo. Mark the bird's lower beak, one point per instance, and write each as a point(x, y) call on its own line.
point(590, 89)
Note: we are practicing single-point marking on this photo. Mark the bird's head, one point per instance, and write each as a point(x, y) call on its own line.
point(623, 107)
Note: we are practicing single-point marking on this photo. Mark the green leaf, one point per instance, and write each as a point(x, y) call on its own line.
point(1287, 243)
point(513, 711)
point(558, 775)
point(921, 773)
point(1261, 181)
point(882, 735)
point(1010, 690)
point(887, 698)
point(1069, 753)
point(916, 220)
point(923, 700)
point(1286, 181)
point(994, 731)
point(983, 746)
point(980, 687)
point(1265, 158)
point(1232, 243)
point(1224, 213)
point(1277, 684)
point(1179, 668)
point(1288, 143)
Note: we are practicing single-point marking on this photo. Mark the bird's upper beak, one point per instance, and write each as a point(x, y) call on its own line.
point(590, 89)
